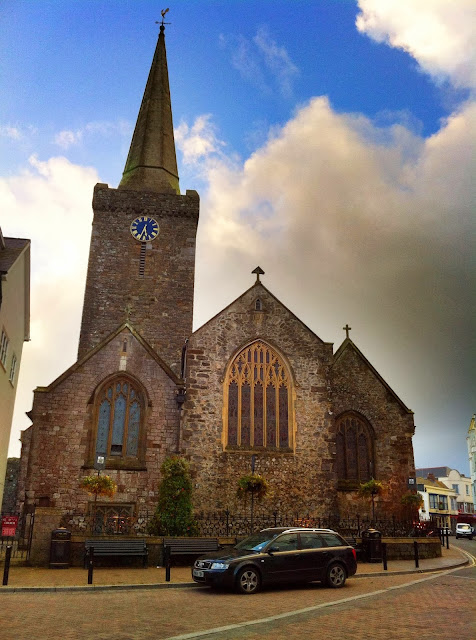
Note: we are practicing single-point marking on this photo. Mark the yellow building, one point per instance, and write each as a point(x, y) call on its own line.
point(439, 502)
point(14, 330)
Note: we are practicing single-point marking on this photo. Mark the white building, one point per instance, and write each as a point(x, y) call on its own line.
point(14, 330)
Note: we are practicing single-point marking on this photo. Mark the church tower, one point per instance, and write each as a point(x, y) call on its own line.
point(142, 255)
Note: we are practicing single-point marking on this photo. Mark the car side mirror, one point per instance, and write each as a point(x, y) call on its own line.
point(272, 549)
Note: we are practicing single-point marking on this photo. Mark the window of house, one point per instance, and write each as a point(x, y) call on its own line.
point(455, 487)
point(119, 417)
point(355, 450)
point(454, 504)
point(434, 502)
point(3, 348)
point(467, 490)
point(258, 400)
point(13, 368)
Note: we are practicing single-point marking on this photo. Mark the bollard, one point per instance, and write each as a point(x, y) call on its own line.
point(415, 547)
point(90, 565)
point(6, 569)
point(447, 539)
point(167, 563)
point(384, 555)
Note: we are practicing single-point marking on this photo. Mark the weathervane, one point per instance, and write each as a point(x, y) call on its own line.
point(162, 13)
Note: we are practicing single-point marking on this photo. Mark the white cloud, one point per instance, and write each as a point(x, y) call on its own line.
point(355, 223)
point(277, 61)
point(262, 62)
point(197, 141)
point(439, 34)
point(50, 203)
point(7, 131)
point(68, 138)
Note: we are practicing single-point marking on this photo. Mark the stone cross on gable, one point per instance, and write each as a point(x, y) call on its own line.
point(259, 272)
point(347, 329)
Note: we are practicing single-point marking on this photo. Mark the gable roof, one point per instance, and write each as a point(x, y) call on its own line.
point(437, 484)
point(78, 364)
point(10, 251)
point(348, 344)
point(259, 285)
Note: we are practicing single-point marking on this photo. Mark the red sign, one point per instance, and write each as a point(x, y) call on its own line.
point(9, 526)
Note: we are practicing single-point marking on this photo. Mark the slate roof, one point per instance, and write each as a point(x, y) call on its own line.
point(10, 249)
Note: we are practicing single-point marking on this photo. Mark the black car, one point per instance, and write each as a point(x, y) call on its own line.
point(276, 556)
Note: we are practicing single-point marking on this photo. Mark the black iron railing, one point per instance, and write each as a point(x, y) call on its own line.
point(227, 524)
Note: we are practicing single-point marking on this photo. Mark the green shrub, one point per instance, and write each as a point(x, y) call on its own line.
point(173, 516)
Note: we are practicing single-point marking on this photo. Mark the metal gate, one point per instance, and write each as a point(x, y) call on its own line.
point(21, 541)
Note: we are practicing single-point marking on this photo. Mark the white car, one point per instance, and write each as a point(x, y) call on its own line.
point(464, 530)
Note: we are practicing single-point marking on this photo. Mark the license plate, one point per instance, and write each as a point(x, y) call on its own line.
point(198, 574)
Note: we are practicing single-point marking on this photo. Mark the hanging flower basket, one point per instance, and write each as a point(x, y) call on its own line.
point(371, 488)
point(252, 484)
point(99, 485)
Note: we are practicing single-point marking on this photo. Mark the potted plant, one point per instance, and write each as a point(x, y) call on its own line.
point(254, 485)
point(99, 486)
point(371, 489)
point(102, 486)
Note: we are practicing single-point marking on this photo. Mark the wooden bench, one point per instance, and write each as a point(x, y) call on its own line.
point(122, 548)
point(189, 546)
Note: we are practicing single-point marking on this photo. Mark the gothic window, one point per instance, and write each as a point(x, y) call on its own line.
point(119, 418)
point(258, 397)
point(355, 459)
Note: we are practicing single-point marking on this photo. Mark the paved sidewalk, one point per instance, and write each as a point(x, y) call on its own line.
point(22, 578)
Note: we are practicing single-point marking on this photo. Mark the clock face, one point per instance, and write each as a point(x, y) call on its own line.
point(144, 228)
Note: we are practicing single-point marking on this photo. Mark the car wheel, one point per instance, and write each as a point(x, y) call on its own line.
point(336, 576)
point(248, 580)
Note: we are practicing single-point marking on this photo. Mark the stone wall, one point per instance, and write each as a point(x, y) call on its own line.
point(300, 480)
point(158, 304)
point(356, 386)
point(47, 519)
point(61, 440)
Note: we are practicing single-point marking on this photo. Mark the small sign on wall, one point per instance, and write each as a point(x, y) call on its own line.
point(412, 483)
point(9, 526)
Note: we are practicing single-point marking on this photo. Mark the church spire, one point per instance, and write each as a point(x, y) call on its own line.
point(151, 164)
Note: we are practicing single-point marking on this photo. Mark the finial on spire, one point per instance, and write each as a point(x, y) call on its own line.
point(163, 23)
point(347, 329)
point(259, 272)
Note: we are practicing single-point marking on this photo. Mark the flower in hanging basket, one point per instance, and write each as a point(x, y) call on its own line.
point(252, 484)
point(99, 485)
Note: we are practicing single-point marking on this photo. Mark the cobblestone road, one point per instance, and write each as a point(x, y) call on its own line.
point(442, 606)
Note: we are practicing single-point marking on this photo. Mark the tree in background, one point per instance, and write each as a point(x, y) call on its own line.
point(412, 502)
point(173, 516)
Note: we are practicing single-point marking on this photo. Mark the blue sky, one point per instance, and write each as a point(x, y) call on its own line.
point(332, 142)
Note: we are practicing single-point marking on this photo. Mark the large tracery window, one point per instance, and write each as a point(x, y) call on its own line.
point(119, 418)
point(258, 399)
point(355, 447)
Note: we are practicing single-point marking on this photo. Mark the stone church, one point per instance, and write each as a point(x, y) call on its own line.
point(252, 384)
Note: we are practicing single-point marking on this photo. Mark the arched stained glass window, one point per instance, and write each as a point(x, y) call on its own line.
point(354, 449)
point(119, 417)
point(258, 413)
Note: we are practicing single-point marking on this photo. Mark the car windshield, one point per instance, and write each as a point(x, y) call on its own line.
point(257, 541)
point(464, 526)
